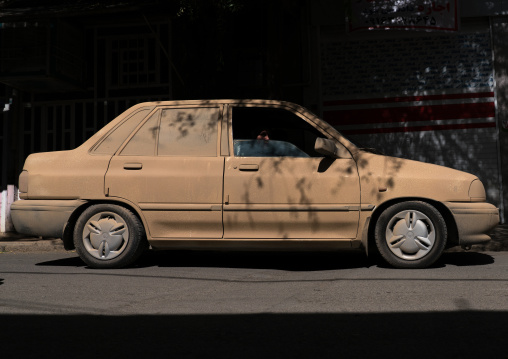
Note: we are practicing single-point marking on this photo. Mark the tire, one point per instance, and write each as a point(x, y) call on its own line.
point(109, 236)
point(411, 235)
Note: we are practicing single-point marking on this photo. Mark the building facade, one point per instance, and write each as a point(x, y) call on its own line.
point(424, 94)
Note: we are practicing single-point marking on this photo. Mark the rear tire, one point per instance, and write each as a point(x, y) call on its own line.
point(411, 235)
point(109, 236)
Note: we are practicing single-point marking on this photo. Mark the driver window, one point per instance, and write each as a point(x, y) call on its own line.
point(272, 132)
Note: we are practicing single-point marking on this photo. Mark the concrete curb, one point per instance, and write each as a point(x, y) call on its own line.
point(14, 242)
point(33, 244)
point(499, 240)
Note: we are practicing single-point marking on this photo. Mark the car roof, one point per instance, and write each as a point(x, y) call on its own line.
point(214, 102)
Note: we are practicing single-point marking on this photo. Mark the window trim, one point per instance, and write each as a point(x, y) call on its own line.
point(92, 149)
point(137, 129)
point(224, 131)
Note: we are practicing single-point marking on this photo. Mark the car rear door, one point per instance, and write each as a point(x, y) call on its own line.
point(171, 169)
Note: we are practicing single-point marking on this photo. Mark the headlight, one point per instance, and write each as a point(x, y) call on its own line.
point(477, 191)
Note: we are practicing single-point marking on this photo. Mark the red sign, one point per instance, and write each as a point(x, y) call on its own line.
point(454, 111)
point(437, 15)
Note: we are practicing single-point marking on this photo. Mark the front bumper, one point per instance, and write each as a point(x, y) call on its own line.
point(474, 221)
point(43, 218)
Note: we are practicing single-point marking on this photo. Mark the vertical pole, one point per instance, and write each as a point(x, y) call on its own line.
point(3, 211)
point(5, 146)
point(9, 227)
point(499, 36)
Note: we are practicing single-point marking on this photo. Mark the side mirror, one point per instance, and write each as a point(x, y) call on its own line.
point(331, 148)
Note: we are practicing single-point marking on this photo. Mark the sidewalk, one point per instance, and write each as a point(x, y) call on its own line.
point(13, 242)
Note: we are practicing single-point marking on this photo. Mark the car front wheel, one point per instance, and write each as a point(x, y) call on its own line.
point(411, 234)
point(109, 236)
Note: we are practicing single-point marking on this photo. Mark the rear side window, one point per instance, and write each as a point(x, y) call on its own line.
point(115, 138)
point(188, 132)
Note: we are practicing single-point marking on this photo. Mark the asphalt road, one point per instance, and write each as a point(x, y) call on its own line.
point(253, 305)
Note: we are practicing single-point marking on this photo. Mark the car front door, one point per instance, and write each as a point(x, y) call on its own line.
point(171, 170)
point(277, 187)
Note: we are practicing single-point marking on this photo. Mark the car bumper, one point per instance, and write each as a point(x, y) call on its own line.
point(43, 218)
point(474, 221)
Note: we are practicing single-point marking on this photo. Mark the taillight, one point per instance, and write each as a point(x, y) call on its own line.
point(23, 182)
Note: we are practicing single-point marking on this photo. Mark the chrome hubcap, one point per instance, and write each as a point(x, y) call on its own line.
point(105, 235)
point(410, 235)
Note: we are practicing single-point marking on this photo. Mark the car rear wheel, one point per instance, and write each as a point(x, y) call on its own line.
point(411, 234)
point(109, 236)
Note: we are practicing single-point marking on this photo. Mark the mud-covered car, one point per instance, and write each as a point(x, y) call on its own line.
point(253, 175)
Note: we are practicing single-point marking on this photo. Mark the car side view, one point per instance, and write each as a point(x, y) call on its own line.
point(243, 174)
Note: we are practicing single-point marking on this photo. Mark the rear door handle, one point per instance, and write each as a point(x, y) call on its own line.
point(132, 166)
point(249, 167)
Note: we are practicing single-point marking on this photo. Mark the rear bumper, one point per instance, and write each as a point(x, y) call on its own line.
point(43, 218)
point(474, 221)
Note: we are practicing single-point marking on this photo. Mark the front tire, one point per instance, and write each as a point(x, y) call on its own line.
point(411, 235)
point(109, 236)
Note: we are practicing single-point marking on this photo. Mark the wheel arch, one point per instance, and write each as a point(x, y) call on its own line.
point(451, 225)
point(67, 237)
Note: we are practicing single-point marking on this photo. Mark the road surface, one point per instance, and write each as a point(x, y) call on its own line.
point(253, 305)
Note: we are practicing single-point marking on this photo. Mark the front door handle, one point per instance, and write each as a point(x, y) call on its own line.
point(249, 167)
point(132, 166)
